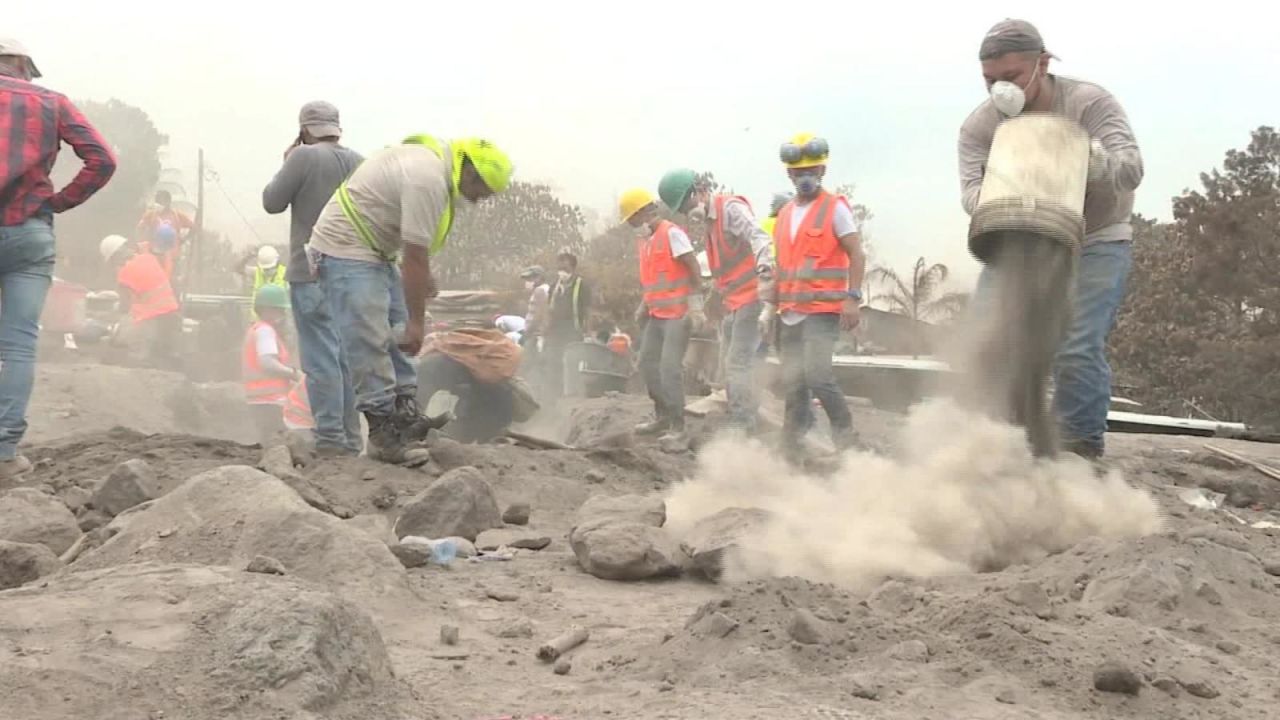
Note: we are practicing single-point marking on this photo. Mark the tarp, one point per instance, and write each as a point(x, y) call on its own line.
point(489, 355)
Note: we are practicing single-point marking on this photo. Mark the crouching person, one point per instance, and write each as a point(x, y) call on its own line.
point(272, 385)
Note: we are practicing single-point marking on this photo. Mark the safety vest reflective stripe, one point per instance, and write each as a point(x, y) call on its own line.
point(813, 269)
point(733, 262)
point(297, 408)
point(261, 388)
point(665, 279)
point(362, 228)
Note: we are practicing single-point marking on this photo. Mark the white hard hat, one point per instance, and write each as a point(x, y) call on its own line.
point(268, 257)
point(111, 245)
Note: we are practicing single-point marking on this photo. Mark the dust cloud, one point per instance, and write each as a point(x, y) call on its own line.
point(964, 495)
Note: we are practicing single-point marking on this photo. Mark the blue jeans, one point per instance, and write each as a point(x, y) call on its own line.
point(333, 400)
point(806, 351)
point(740, 340)
point(662, 366)
point(1081, 375)
point(26, 271)
point(367, 300)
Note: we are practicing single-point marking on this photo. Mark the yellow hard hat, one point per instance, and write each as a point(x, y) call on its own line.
point(804, 150)
point(492, 164)
point(633, 201)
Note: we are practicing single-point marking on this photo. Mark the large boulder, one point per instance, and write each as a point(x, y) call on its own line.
point(20, 563)
point(186, 641)
point(131, 483)
point(229, 515)
point(460, 502)
point(614, 549)
point(717, 537)
point(377, 526)
point(30, 516)
point(642, 509)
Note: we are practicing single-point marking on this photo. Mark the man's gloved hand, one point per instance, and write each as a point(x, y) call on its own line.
point(1099, 161)
point(768, 315)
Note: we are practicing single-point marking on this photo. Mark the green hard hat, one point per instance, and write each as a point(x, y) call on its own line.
point(272, 296)
point(676, 186)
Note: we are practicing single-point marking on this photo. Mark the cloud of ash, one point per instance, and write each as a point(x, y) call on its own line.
point(964, 495)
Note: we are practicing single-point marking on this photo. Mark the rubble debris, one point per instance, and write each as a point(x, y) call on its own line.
point(1116, 677)
point(716, 536)
point(449, 634)
point(1032, 596)
point(806, 629)
point(30, 516)
point(893, 598)
point(551, 650)
point(1167, 685)
point(131, 483)
point(412, 555)
point(644, 509)
point(714, 625)
point(278, 461)
point(265, 565)
point(613, 549)
point(75, 498)
point(460, 502)
point(1198, 687)
point(915, 651)
point(91, 520)
point(516, 538)
point(562, 666)
point(21, 563)
point(515, 630)
point(501, 595)
point(376, 526)
point(516, 514)
point(594, 476)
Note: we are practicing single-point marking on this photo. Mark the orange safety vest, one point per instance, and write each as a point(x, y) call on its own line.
point(261, 388)
point(666, 281)
point(147, 283)
point(297, 408)
point(813, 270)
point(731, 261)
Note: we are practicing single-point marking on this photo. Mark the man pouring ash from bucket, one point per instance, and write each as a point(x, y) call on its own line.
point(1048, 169)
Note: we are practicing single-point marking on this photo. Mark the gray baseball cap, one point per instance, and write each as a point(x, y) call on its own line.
point(13, 48)
point(321, 119)
point(1009, 36)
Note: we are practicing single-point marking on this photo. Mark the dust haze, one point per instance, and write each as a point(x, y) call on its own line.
point(963, 495)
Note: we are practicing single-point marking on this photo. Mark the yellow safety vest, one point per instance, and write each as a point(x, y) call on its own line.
point(767, 225)
point(276, 278)
point(361, 226)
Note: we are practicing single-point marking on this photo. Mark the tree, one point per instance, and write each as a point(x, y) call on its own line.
point(918, 296)
point(492, 241)
point(116, 208)
point(1201, 322)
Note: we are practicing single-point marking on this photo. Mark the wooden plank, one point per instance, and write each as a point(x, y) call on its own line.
point(537, 443)
point(1263, 468)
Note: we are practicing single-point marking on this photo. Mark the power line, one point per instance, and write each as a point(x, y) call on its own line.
point(213, 175)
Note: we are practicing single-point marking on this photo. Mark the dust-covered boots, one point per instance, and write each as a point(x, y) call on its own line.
point(415, 424)
point(386, 438)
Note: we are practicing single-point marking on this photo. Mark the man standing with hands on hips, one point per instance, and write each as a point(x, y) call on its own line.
point(1015, 65)
point(814, 292)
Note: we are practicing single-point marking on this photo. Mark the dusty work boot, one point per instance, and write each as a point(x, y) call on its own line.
point(386, 438)
point(656, 426)
point(675, 441)
point(415, 424)
point(14, 466)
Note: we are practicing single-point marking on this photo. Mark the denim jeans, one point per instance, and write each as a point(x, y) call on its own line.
point(662, 366)
point(367, 300)
point(740, 341)
point(26, 271)
point(806, 350)
point(1081, 375)
point(333, 400)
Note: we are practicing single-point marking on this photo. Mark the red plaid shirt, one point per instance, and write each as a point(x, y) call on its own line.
point(34, 121)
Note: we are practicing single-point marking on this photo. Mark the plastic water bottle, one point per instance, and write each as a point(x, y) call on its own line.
point(443, 551)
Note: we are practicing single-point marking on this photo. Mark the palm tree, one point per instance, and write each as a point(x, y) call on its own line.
point(917, 296)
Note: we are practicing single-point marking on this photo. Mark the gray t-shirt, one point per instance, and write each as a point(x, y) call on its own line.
point(1108, 203)
point(305, 183)
point(402, 193)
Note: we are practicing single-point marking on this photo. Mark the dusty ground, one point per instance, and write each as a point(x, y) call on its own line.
point(1193, 610)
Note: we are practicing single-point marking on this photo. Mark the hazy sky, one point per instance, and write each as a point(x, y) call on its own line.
point(594, 98)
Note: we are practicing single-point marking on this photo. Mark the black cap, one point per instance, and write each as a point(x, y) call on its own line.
point(1009, 36)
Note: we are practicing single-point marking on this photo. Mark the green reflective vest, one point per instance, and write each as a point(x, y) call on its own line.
point(354, 216)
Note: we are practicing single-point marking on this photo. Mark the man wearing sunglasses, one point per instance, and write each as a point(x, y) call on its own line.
point(1015, 65)
point(736, 249)
point(813, 290)
point(671, 310)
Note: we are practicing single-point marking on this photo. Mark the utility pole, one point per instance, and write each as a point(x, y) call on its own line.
point(197, 233)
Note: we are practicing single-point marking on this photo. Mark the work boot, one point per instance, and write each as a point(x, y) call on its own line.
point(675, 441)
point(656, 426)
point(415, 424)
point(1085, 449)
point(386, 438)
point(14, 466)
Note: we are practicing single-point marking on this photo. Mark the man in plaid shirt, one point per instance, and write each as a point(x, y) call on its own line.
point(33, 124)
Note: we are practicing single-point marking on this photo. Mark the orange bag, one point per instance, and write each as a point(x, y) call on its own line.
point(489, 355)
